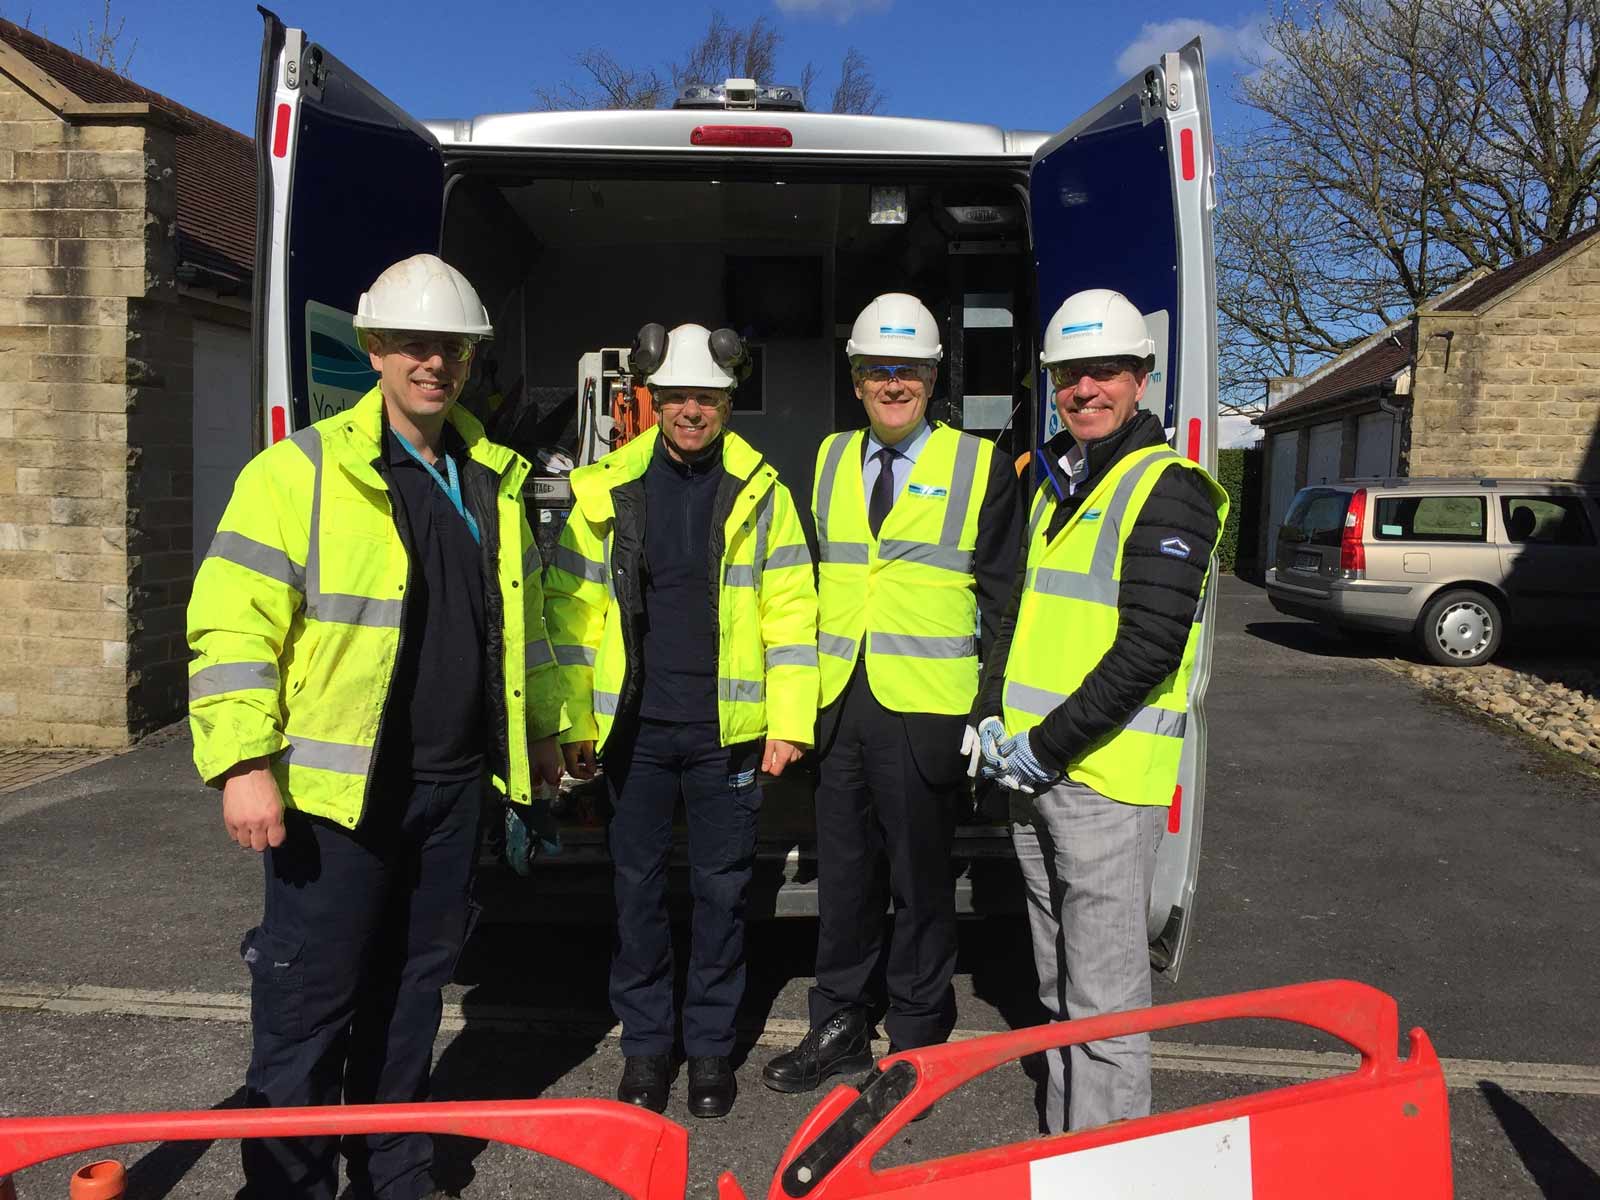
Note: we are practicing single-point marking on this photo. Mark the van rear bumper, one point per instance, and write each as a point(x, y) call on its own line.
point(1355, 603)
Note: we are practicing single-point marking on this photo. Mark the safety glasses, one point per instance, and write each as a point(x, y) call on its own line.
point(1104, 370)
point(450, 347)
point(884, 372)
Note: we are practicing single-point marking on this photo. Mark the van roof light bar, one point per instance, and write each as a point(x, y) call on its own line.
point(741, 94)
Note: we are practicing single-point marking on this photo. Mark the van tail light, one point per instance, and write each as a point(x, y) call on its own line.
point(1352, 545)
point(761, 136)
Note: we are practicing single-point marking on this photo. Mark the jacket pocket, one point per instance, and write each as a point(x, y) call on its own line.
point(277, 978)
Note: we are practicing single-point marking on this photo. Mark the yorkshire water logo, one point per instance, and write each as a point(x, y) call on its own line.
point(1081, 330)
point(1175, 547)
point(1092, 515)
point(922, 489)
point(897, 331)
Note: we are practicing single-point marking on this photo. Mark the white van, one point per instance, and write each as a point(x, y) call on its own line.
point(737, 208)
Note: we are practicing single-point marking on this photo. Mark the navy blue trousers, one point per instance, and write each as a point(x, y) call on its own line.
point(361, 932)
point(647, 772)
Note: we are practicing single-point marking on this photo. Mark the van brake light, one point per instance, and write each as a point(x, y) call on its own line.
point(766, 136)
point(1352, 545)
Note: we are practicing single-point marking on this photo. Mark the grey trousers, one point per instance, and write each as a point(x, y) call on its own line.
point(1088, 864)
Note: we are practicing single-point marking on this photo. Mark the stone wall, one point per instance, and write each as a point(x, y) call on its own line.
point(94, 406)
point(1514, 389)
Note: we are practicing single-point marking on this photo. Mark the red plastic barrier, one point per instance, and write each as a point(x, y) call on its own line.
point(642, 1155)
point(1381, 1130)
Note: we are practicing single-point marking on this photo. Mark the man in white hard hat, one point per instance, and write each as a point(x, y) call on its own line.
point(369, 641)
point(1086, 695)
point(918, 526)
point(683, 614)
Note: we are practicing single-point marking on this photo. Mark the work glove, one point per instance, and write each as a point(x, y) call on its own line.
point(1019, 764)
point(531, 830)
point(979, 740)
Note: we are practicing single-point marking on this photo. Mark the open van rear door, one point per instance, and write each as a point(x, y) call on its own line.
point(347, 183)
point(1122, 199)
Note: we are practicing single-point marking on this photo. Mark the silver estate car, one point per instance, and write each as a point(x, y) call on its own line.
point(1456, 563)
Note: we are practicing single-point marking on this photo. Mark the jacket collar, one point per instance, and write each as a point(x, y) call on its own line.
point(1142, 430)
point(592, 485)
point(355, 439)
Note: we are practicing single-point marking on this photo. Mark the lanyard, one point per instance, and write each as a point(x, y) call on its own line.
point(451, 486)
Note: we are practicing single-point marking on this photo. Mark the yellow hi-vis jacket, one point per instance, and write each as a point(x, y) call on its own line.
point(909, 592)
point(296, 613)
point(766, 602)
point(1068, 619)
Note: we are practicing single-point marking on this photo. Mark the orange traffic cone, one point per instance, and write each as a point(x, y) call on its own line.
point(103, 1180)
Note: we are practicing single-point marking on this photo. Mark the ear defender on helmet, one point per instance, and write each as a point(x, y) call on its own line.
point(728, 351)
point(649, 349)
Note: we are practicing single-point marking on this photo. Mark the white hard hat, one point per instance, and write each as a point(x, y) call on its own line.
point(689, 362)
point(1097, 323)
point(424, 294)
point(895, 324)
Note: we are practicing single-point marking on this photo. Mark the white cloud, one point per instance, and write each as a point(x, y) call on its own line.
point(1221, 43)
point(1234, 432)
point(839, 10)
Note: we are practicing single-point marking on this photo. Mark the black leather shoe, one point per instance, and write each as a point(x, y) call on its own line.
point(841, 1044)
point(646, 1081)
point(711, 1086)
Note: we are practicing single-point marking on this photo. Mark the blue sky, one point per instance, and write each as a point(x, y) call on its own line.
point(1027, 65)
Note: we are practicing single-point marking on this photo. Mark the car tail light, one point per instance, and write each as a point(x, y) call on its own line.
point(741, 135)
point(1352, 547)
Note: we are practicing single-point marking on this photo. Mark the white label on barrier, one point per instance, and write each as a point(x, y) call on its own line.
point(1208, 1162)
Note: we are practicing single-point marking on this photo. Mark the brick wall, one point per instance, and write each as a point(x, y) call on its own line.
point(94, 359)
point(1515, 388)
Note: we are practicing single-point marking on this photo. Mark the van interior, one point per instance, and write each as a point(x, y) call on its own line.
point(569, 265)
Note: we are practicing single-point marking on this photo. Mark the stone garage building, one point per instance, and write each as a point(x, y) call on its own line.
point(127, 242)
point(1498, 377)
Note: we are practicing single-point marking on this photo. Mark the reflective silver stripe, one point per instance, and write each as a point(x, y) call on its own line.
point(1073, 585)
point(327, 756)
point(801, 654)
point(569, 560)
point(913, 646)
point(232, 677)
point(1031, 699)
point(574, 656)
point(531, 562)
point(739, 576)
point(1162, 722)
point(340, 609)
point(605, 703)
point(947, 557)
point(611, 582)
point(536, 654)
point(748, 690)
point(852, 553)
point(763, 532)
point(1108, 543)
point(955, 506)
point(838, 647)
point(1040, 507)
point(830, 468)
point(258, 557)
point(788, 556)
point(309, 442)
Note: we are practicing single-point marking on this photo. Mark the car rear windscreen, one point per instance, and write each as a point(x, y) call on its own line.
point(1316, 517)
point(1430, 519)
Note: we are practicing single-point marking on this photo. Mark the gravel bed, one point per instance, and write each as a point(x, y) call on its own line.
point(1556, 703)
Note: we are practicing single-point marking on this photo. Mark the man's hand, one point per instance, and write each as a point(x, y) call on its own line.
point(778, 755)
point(545, 757)
point(580, 759)
point(252, 808)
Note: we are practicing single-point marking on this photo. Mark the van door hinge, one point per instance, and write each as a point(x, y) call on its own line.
point(313, 71)
point(1173, 75)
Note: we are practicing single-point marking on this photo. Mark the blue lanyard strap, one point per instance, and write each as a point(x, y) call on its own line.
point(451, 486)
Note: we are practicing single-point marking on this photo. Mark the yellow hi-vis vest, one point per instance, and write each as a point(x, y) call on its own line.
point(1068, 619)
point(909, 592)
point(296, 611)
point(766, 603)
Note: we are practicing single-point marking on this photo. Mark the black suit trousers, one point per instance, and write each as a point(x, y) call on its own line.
point(885, 827)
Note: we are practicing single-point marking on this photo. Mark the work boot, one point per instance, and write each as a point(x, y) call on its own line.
point(646, 1081)
point(711, 1086)
point(841, 1044)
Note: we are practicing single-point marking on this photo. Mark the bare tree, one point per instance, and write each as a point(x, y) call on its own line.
point(1397, 146)
point(724, 51)
point(99, 43)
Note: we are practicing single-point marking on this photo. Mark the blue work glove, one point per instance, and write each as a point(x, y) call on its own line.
point(980, 742)
point(1016, 756)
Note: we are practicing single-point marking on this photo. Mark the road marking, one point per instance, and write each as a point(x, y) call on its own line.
point(779, 1033)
